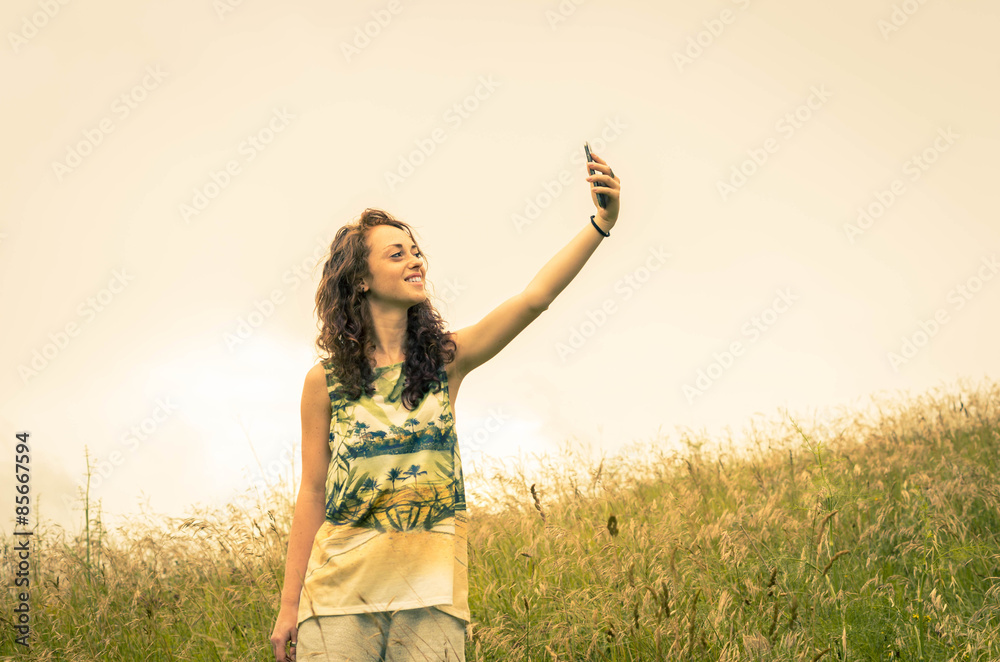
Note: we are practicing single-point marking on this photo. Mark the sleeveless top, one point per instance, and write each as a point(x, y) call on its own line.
point(394, 535)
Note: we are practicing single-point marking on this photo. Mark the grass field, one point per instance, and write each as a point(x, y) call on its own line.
point(865, 540)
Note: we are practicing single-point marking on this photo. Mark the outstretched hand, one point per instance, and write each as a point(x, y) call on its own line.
point(608, 184)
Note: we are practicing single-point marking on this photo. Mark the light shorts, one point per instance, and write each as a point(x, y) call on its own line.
point(424, 635)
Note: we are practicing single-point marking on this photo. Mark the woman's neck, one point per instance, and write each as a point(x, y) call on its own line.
point(384, 360)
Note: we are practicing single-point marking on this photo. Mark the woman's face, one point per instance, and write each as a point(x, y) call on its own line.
point(392, 258)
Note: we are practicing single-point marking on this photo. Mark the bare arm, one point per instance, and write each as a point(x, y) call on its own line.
point(480, 342)
point(567, 263)
point(310, 505)
point(564, 266)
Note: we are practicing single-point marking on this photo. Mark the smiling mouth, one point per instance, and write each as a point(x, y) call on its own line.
point(419, 281)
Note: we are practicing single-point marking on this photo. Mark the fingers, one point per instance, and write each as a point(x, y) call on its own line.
point(611, 192)
point(608, 180)
point(600, 167)
point(603, 181)
point(278, 647)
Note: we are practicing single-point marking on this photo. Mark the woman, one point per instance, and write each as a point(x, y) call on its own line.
point(376, 566)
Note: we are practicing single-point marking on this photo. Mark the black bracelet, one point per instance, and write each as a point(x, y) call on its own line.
point(606, 234)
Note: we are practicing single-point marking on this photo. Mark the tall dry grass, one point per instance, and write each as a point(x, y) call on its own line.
point(871, 538)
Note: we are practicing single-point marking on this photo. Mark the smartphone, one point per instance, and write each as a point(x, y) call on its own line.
point(602, 199)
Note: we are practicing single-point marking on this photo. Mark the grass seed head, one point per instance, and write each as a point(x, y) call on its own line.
point(538, 503)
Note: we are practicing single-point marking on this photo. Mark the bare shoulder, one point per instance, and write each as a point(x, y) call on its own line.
point(316, 416)
point(317, 375)
point(315, 394)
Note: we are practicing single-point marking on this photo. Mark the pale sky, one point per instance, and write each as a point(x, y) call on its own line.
point(807, 188)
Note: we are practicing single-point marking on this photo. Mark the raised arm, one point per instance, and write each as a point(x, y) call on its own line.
point(480, 342)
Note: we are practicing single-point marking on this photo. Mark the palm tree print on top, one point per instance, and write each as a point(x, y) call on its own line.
point(392, 469)
point(395, 534)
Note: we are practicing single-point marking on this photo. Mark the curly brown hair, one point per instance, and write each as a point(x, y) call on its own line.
point(346, 337)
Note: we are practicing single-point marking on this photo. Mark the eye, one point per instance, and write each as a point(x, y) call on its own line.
point(401, 252)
